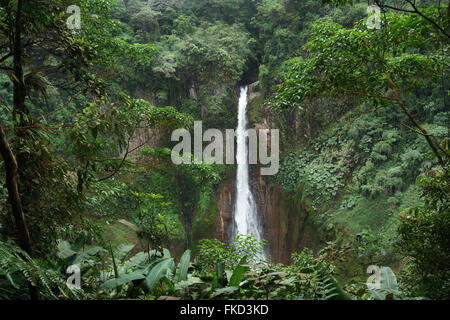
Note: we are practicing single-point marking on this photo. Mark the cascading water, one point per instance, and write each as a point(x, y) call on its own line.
point(245, 212)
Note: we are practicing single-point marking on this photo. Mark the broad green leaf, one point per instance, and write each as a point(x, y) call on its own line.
point(183, 265)
point(388, 281)
point(220, 279)
point(336, 290)
point(169, 283)
point(158, 271)
point(288, 281)
point(86, 253)
point(124, 278)
point(238, 274)
point(130, 225)
point(136, 260)
point(64, 250)
point(188, 282)
point(227, 289)
point(122, 250)
point(388, 285)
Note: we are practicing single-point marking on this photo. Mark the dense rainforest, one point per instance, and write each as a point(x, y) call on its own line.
point(92, 205)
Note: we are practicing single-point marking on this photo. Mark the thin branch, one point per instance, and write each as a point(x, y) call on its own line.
point(59, 108)
point(414, 130)
point(428, 19)
point(377, 108)
point(122, 161)
point(393, 8)
point(427, 134)
point(130, 151)
point(414, 121)
point(416, 11)
point(366, 94)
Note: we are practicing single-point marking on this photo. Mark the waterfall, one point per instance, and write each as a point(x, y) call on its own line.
point(245, 212)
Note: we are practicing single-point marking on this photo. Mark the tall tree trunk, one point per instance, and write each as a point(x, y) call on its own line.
point(26, 160)
point(13, 164)
point(14, 199)
point(19, 89)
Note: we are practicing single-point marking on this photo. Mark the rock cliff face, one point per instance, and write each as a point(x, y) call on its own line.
point(287, 223)
point(225, 198)
point(252, 91)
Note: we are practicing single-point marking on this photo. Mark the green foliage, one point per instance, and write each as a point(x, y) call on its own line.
point(212, 250)
point(66, 135)
point(155, 226)
point(123, 270)
point(122, 279)
point(81, 257)
point(336, 48)
point(17, 269)
point(424, 238)
point(139, 270)
point(380, 77)
point(309, 278)
point(281, 31)
point(305, 278)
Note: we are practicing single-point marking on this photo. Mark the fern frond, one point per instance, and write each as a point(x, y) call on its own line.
point(17, 266)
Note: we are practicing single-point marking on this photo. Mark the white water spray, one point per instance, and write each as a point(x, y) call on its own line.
point(246, 220)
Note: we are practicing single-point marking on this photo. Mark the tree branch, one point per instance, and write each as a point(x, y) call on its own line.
point(122, 161)
point(414, 121)
point(59, 108)
point(416, 11)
